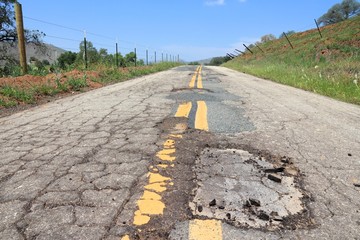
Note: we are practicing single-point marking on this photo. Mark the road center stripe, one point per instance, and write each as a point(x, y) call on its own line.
point(193, 79)
point(184, 110)
point(201, 122)
point(205, 230)
point(199, 82)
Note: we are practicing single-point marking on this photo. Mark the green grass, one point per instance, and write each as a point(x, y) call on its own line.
point(7, 104)
point(329, 66)
point(77, 84)
point(17, 94)
point(46, 90)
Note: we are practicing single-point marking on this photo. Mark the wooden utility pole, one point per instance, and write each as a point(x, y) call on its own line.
point(21, 37)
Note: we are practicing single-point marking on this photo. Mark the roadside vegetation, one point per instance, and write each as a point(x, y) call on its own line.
point(329, 65)
point(32, 88)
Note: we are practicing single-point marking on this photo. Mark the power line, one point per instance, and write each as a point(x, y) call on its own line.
point(67, 39)
point(54, 24)
point(93, 34)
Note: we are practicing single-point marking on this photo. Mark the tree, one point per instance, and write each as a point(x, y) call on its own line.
point(66, 59)
point(340, 12)
point(130, 58)
point(8, 34)
point(217, 61)
point(92, 54)
point(267, 38)
point(288, 33)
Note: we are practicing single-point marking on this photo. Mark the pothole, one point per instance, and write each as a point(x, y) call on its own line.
point(249, 191)
point(197, 90)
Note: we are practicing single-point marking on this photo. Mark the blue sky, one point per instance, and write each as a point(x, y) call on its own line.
point(194, 29)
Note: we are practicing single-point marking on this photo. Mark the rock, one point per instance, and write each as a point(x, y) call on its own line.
point(254, 202)
point(221, 207)
point(228, 215)
point(212, 203)
point(200, 208)
point(274, 170)
point(274, 178)
point(264, 216)
point(356, 185)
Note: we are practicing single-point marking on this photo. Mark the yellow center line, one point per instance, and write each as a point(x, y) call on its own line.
point(126, 237)
point(150, 203)
point(205, 230)
point(193, 79)
point(201, 121)
point(199, 83)
point(184, 110)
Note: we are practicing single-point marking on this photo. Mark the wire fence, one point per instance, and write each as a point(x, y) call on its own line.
point(112, 45)
point(245, 44)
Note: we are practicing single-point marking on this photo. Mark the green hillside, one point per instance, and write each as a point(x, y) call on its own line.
point(329, 66)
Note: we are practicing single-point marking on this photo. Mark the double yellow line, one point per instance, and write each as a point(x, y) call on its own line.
point(184, 109)
point(150, 203)
point(197, 76)
point(201, 121)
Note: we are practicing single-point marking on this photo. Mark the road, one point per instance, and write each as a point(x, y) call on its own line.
point(189, 153)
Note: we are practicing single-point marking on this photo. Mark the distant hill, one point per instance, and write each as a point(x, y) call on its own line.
point(43, 52)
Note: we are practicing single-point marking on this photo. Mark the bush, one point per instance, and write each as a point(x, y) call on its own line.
point(66, 59)
point(77, 84)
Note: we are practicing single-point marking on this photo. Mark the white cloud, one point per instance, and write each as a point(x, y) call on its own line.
point(215, 2)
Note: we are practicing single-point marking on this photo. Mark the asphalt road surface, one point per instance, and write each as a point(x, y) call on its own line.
point(190, 153)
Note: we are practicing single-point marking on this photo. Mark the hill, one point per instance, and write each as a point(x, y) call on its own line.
point(329, 65)
point(44, 52)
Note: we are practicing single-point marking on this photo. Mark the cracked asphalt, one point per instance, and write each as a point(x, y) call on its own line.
point(77, 167)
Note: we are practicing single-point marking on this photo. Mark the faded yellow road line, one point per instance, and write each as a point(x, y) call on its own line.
point(199, 83)
point(151, 204)
point(184, 110)
point(193, 79)
point(126, 237)
point(201, 121)
point(205, 230)
point(199, 78)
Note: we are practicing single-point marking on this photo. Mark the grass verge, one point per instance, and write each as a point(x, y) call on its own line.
point(328, 66)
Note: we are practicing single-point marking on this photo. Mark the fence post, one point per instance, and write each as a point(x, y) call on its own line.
point(259, 48)
point(155, 56)
point(162, 57)
point(317, 25)
point(21, 37)
point(85, 51)
point(147, 57)
point(248, 49)
point(239, 51)
point(135, 57)
point(117, 55)
point(288, 40)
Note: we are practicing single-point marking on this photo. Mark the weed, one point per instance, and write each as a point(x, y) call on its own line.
point(77, 84)
point(18, 94)
point(7, 104)
point(45, 90)
point(62, 87)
